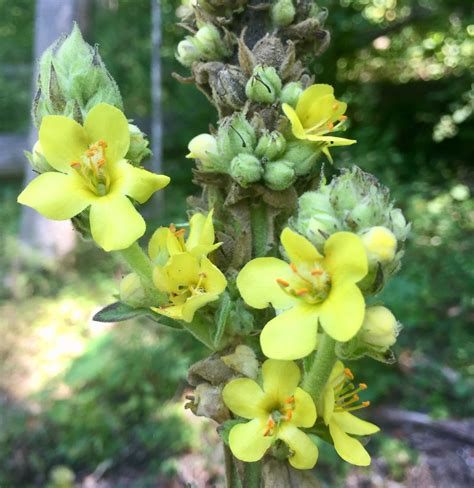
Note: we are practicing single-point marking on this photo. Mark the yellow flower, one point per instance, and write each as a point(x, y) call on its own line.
point(167, 241)
point(311, 288)
point(203, 147)
point(380, 244)
point(275, 413)
point(92, 172)
point(190, 283)
point(317, 114)
point(339, 399)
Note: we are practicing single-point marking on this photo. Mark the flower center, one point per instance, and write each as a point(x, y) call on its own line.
point(346, 393)
point(311, 284)
point(179, 234)
point(326, 125)
point(282, 414)
point(92, 168)
point(185, 292)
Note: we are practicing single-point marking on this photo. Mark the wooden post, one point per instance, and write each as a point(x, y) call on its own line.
point(49, 239)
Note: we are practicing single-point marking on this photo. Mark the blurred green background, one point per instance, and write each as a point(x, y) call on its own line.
point(107, 401)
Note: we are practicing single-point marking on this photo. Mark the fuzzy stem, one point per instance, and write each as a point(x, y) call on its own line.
point(320, 370)
point(258, 219)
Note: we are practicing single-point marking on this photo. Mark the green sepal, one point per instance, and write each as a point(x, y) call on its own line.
point(224, 429)
point(222, 314)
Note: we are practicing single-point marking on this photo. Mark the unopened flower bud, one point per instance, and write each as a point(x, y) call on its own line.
point(399, 224)
point(204, 148)
point(264, 85)
point(380, 244)
point(37, 160)
point(138, 149)
point(209, 43)
point(187, 53)
point(303, 155)
point(283, 12)
point(380, 327)
point(246, 169)
point(291, 93)
point(235, 136)
point(131, 290)
point(270, 145)
point(279, 175)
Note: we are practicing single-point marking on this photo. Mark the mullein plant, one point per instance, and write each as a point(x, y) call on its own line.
point(278, 269)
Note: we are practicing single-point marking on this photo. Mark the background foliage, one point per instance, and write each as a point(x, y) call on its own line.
point(404, 67)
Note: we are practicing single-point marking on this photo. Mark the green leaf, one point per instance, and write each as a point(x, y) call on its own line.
point(223, 311)
point(224, 429)
point(117, 312)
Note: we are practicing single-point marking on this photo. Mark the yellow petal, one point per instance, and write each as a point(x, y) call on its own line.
point(280, 379)
point(342, 313)
point(63, 141)
point(136, 182)
point(350, 449)
point(296, 126)
point(214, 281)
point(107, 123)
point(298, 248)
point(304, 451)
point(183, 269)
point(318, 113)
point(247, 441)
point(331, 140)
point(340, 110)
point(157, 248)
point(258, 286)
point(304, 414)
point(194, 303)
point(201, 230)
point(174, 312)
point(56, 196)
point(345, 257)
point(309, 96)
point(292, 334)
point(244, 398)
point(115, 223)
point(354, 425)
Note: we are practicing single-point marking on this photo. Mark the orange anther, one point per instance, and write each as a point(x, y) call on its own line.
point(335, 106)
point(342, 118)
point(356, 398)
point(101, 162)
point(282, 282)
point(302, 291)
point(293, 268)
point(362, 386)
point(172, 228)
point(180, 232)
point(289, 414)
point(366, 404)
point(330, 125)
point(317, 272)
point(348, 373)
point(290, 399)
point(102, 144)
point(75, 164)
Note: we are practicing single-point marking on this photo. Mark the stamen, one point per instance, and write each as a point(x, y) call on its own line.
point(362, 386)
point(342, 118)
point(180, 232)
point(282, 282)
point(289, 415)
point(301, 292)
point(293, 268)
point(330, 125)
point(102, 144)
point(348, 373)
point(75, 165)
point(172, 228)
point(317, 272)
point(101, 162)
point(290, 399)
point(270, 425)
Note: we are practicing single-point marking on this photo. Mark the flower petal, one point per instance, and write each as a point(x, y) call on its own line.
point(258, 286)
point(107, 123)
point(214, 281)
point(115, 223)
point(137, 183)
point(318, 113)
point(310, 95)
point(305, 452)
point(247, 441)
point(63, 141)
point(296, 126)
point(304, 413)
point(195, 303)
point(157, 246)
point(345, 257)
point(56, 196)
point(182, 269)
point(280, 379)
point(354, 425)
point(298, 248)
point(244, 398)
point(291, 334)
point(331, 140)
point(350, 449)
point(342, 313)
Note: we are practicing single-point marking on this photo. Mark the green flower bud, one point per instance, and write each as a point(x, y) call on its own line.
point(264, 85)
point(246, 169)
point(380, 244)
point(303, 155)
point(187, 53)
point(73, 79)
point(270, 145)
point(283, 13)
point(380, 327)
point(235, 136)
point(279, 175)
point(204, 148)
point(291, 93)
point(131, 291)
point(37, 160)
point(399, 224)
point(209, 43)
point(138, 149)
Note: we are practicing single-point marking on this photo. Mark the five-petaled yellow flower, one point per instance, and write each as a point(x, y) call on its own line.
point(275, 413)
point(317, 114)
point(167, 241)
point(340, 397)
point(92, 172)
point(311, 288)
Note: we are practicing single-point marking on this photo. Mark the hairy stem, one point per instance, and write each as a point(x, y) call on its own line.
point(258, 219)
point(320, 370)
